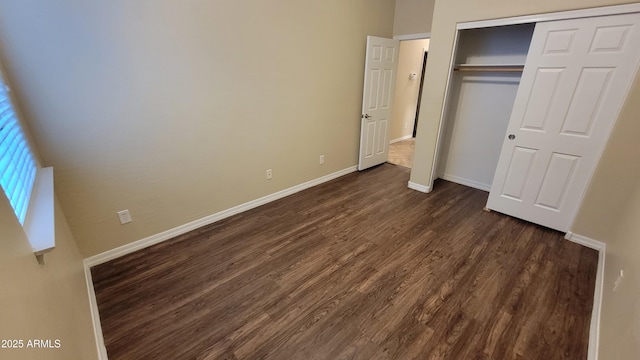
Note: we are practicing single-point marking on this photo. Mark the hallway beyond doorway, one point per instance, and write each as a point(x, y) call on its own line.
point(401, 152)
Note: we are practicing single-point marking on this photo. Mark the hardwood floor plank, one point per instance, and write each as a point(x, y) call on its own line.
point(357, 268)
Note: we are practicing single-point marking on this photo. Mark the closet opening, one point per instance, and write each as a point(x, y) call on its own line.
point(488, 64)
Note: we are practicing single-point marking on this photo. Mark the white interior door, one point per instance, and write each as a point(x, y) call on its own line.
point(379, 83)
point(575, 80)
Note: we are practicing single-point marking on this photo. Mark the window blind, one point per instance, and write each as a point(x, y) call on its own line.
point(17, 165)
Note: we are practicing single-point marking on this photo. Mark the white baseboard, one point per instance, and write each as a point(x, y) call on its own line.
point(182, 229)
point(406, 137)
point(418, 187)
point(95, 315)
point(594, 328)
point(466, 182)
point(585, 241)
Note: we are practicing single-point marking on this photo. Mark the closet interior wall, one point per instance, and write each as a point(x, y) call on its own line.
point(480, 102)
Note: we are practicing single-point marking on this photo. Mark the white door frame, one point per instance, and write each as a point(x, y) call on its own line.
point(562, 15)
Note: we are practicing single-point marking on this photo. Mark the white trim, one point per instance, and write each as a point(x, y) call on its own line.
point(39, 224)
point(560, 15)
point(401, 138)
point(95, 315)
point(585, 241)
point(443, 113)
point(594, 327)
point(418, 187)
point(182, 229)
point(418, 36)
point(466, 182)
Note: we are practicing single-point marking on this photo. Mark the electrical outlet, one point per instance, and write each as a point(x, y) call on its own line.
point(269, 174)
point(616, 284)
point(321, 159)
point(124, 216)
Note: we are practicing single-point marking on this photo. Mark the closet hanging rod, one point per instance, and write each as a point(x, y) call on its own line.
point(489, 68)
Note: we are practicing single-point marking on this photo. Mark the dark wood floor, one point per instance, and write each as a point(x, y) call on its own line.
point(357, 268)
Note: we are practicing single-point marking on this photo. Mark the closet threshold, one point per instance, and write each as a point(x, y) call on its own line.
point(488, 68)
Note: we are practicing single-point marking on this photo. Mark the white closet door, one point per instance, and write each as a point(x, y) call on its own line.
point(575, 80)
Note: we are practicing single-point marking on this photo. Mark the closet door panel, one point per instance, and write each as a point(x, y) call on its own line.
point(521, 164)
point(587, 100)
point(575, 80)
point(543, 92)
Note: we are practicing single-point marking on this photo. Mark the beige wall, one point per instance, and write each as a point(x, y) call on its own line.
point(43, 302)
point(405, 98)
point(413, 17)
point(174, 109)
point(610, 211)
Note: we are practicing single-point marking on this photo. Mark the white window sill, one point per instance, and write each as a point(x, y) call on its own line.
point(39, 224)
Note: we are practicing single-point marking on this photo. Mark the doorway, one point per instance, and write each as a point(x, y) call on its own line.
point(412, 58)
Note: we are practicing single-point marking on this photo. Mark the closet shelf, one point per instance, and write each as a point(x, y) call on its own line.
point(488, 68)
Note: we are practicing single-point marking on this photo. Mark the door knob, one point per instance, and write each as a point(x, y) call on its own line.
point(511, 136)
point(366, 116)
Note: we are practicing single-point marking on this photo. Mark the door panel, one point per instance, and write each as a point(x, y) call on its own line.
point(545, 86)
point(575, 80)
point(387, 89)
point(522, 161)
point(559, 42)
point(381, 140)
point(556, 181)
point(379, 82)
point(370, 143)
point(374, 87)
point(610, 38)
point(587, 98)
